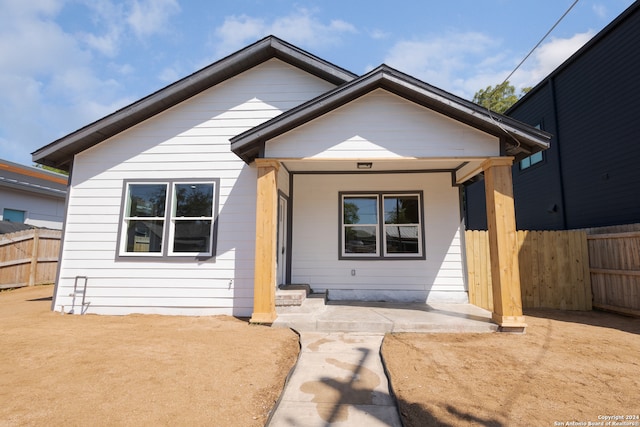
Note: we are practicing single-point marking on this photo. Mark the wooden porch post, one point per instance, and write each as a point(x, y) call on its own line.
point(503, 244)
point(264, 285)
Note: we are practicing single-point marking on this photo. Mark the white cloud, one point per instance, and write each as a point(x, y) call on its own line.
point(438, 59)
point(548, 57)
point(463, 63)
point(107, 15)
point(300, 27)
point(148, 17)
point(107, 44)
point(170, 74)
point(378, 34)
point(47, 86)
point(600, 10)
point(31, 42)
point(21, 9)
point(122, 69)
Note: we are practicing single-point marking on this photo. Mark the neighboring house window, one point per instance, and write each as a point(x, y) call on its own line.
point(169, 218)
point(531, 160)
point(381, 225)
point(534, 158)
point(13, 215)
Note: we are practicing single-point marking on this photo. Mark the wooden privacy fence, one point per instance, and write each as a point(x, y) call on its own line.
point(28, 257)
point(615, 271)
point(554, 269)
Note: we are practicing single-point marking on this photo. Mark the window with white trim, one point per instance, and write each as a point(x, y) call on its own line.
point(173, 218)
point(381, 225)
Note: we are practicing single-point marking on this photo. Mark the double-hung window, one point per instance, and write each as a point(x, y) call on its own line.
point(381, 225)
point(171, 218)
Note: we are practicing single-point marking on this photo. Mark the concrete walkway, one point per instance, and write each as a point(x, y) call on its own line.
point(339, 380)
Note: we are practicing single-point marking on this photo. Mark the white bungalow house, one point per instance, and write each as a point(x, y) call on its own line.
point(273, 166)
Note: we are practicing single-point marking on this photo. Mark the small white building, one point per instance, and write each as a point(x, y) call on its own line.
point(273, 166)
point(31, 195)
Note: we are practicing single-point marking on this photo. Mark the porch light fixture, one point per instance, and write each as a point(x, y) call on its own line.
point(365, 165)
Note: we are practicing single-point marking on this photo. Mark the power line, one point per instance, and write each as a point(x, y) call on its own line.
point(537, 45)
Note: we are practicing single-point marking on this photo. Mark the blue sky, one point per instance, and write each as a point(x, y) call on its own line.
point(66, 63)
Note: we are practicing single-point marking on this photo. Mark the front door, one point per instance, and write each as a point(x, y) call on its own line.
point(281, 258)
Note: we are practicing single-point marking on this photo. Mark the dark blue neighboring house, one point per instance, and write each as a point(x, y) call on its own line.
point(590, 176)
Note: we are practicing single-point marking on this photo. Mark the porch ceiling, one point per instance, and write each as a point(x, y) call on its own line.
point(378, 165)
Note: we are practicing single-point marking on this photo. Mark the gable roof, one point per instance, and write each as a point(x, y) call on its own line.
point(521, 141)
point(60, 152)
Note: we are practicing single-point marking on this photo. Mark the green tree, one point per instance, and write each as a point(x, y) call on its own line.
point(498, 98)
point(52, 169)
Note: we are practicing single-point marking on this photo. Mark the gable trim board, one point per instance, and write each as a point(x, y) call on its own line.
point(264, 126)
point(523, 139)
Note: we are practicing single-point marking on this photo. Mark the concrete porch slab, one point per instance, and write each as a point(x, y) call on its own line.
point(380, 317)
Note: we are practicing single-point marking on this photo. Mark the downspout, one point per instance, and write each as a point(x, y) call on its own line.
point(554, 105)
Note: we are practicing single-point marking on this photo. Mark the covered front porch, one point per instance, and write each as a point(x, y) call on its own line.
point(406, 307)
point(383, 155)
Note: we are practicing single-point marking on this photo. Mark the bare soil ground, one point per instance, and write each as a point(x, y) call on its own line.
point(138, 370)
point(567, 367)
point(172, 370)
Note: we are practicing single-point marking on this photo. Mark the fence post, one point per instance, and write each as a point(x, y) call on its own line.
point(33, 269)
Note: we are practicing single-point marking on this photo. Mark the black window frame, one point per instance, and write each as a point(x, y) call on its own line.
point(531, 164)
point(167, 253)
point(380, 232)
point(521, 163)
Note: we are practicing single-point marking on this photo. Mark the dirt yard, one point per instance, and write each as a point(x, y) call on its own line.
point(135, 370)
point(568, 367)
point(171, 370)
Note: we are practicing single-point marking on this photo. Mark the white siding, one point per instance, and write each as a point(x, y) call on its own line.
point(316, 210)
point(40, 210)
point(190, 140)
point(383, 125)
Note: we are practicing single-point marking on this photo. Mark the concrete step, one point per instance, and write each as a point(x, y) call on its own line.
point(296, 287)
point(290, 297)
